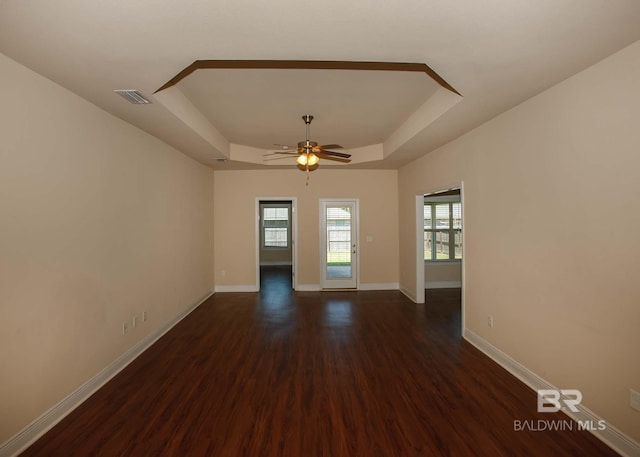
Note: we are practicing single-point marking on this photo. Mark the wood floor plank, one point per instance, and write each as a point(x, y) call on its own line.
point(278, 373)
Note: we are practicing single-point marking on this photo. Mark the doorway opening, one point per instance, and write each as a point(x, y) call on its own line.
point(439, 257)
point(275, 243)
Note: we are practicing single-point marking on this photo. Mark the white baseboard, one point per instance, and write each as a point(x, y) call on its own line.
point(379, 286)
point(614, 438)
point(409, 294)
point(309, 287)
point(27, 436)
point(443, 284)
point(369, 286)
point(239, 288)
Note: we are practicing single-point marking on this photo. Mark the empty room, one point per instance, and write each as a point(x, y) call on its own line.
point(319, 229)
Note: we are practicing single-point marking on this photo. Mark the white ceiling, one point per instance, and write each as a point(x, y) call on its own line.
point(496, 53)
point(352, 108)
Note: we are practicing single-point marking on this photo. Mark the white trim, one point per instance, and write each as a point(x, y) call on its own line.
point(418, 297)
point(380, 286)
point(409, 294)
point(463, 276)
point(443, 262)
point(238, 288)
point(317, 287)
point(28, 435)
point(611, 436)
point(443, 284)
point(370, 286)
point(275, 263)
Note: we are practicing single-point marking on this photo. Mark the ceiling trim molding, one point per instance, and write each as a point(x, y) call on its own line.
point(307, 65)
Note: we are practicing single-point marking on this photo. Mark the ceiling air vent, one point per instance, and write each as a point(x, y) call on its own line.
point(133, 96)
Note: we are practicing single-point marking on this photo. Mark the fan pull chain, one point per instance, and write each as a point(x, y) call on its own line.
point(307, 167)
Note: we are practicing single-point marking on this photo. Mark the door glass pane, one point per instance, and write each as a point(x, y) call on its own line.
point(338, 242)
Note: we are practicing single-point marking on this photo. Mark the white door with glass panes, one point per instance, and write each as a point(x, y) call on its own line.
point(339, 244)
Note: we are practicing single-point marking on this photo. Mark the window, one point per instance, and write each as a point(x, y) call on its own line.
point(442, 230)
point(275, 226)
point(338, 222)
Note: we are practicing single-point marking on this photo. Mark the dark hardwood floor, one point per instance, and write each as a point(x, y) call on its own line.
point(278, 373)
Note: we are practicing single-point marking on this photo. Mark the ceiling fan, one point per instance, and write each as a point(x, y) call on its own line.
point(310, 152)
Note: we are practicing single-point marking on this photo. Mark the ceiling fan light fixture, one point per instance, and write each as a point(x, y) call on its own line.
point(307, 159)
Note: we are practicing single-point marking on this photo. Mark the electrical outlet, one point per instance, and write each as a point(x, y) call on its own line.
point(135, 321)
point(634, 399)
point(125, 328)
point(144, 316)
point(490, 321)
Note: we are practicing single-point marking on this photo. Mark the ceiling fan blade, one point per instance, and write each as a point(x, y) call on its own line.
point(344, 155)
point(277, 158)
point(330, 146)
point(275, 153)
point(324, 156)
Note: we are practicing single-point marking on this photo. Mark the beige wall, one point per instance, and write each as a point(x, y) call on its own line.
point(98, 222)
point(442, 274)
point(235, 223)
point(551, 223)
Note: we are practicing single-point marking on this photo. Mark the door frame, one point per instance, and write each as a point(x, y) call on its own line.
point(322, 241)
point(294, 237)
point(420, 281)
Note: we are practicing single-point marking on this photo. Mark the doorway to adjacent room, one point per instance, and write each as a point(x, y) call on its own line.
point(275, 241)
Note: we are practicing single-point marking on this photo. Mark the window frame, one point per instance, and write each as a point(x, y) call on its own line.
point(284, 205)
point(432, 202)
